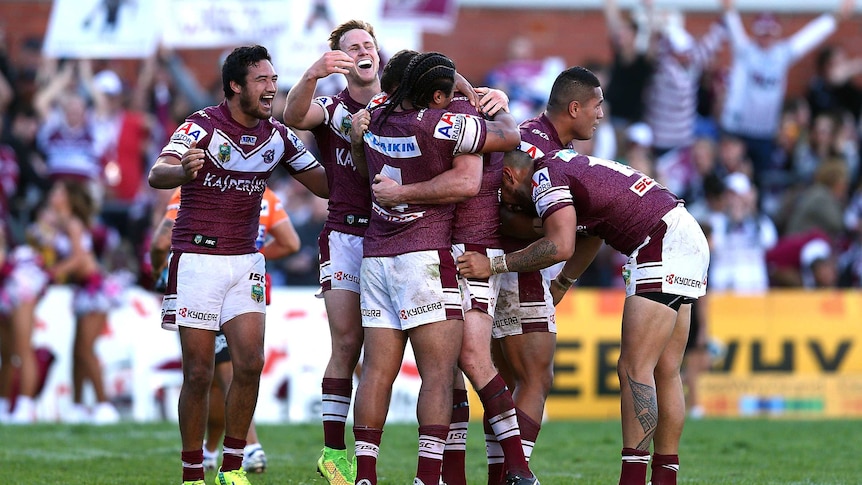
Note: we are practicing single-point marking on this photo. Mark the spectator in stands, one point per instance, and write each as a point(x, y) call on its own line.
point(741, 235)
point(821, 206)
point(632, 66)
point(67, 135)
point(526, 79)
point(671, 97)
point(834, 86)
point(804, 260)
point(758, 75)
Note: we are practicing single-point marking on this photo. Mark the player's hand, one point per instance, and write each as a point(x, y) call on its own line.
point(386, 191)
point(492, 100)
point(359, 125)
point(463, 86)
point(193, 160)
point(332, 62)
point(474, 265)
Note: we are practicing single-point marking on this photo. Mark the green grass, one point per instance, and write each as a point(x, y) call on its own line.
point(739, 452)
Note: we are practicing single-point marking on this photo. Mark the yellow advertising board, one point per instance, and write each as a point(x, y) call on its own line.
point(785, 353)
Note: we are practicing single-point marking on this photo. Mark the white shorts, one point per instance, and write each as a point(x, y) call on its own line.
point(340, 260)
point(524, 305)
point(478, 294)
point(406, 291)
point(26, 281)
point(205, 290)
point(674, 259)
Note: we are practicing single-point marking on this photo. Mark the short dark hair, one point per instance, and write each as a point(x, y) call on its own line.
point(574, 84)
point(393, 71)
point(336, 35)
point(235, 67)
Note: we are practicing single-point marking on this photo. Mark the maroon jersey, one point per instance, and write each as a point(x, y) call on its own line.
point(477, 219)
point(349, 197)
point(538, 137)
point(612, 201)
point(221, 206)
point(415, 146)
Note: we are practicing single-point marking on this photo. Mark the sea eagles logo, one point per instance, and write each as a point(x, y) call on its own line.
point(224, 152)
point(268, 156)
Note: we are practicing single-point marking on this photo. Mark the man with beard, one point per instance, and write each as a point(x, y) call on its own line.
point(222, 156)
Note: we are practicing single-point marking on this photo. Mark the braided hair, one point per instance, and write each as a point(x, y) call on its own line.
point(426, 74)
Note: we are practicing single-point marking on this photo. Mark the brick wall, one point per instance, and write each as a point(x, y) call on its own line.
point(479, 41)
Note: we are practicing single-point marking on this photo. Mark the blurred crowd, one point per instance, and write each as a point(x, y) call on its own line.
point(774, 179)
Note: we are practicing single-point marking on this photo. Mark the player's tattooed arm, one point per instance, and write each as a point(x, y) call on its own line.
point(540, 254)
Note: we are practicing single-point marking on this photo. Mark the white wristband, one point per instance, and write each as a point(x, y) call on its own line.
point(498, 265)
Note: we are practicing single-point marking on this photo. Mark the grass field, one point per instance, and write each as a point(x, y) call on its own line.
point(739, 452)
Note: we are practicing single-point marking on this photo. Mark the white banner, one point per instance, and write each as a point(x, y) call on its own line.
point(199, 24)
point(141, 360)
point(99, 29)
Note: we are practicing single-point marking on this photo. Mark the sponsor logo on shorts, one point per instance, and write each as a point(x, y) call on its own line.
point(412, 312)
point(672, 279)
point(506, 322)
point(366, 312)
point(185, 312)
point(257, 293)
point(247, 140)
point(342, 276)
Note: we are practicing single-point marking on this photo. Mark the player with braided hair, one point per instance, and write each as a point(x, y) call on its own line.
point(411, 140)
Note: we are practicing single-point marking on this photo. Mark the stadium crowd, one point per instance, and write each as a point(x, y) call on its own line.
point(775, 182)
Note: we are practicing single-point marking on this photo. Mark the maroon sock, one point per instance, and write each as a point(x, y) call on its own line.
point(232, 449)
point(455, 454)
point(432, 441)
point(367, 449)
point(504, 421)
point(634, 467)
point(496, 461)
point(664, 469)
point(335, 407)
point(193, 465)
point(529, 433)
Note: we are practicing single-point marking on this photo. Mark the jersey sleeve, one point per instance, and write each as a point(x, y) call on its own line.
point(297, 158)
point(549, 196)
point(193, 129)
point(466, 131)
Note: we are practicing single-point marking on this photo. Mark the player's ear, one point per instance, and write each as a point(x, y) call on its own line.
point(574, 108)
point(235, 87)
